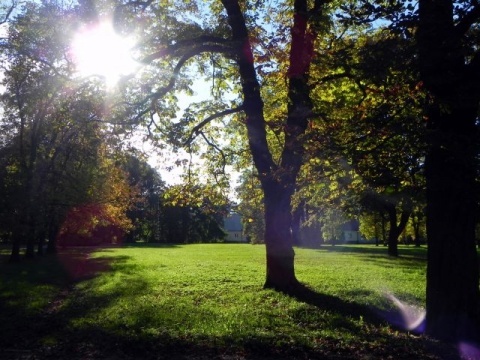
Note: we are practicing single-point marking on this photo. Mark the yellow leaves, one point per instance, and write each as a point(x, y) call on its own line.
point(206, 197)
point(12, 168)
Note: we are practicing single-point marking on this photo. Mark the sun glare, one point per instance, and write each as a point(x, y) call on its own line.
point(99, 51)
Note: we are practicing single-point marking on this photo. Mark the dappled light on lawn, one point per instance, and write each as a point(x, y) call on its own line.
point(98, 50)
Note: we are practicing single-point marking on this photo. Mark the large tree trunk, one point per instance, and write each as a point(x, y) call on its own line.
point(278, 180)
point(31, 234)
point(278, 241)
point(453, 297)
point(53, 228)
point(452, 273)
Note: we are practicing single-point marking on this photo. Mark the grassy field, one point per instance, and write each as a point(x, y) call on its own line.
point(206, 301)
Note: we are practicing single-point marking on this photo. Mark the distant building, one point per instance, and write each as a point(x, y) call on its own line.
point(351, 233)
point(232, 225)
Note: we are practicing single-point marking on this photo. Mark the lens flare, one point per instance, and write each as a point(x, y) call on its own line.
point(407, 317)
point(99, 50)
point(468, 351)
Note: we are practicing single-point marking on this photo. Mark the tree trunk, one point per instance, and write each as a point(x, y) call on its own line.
point(278, 241)
point(297, 216)
point(41, 242)
point(453, 297)
point(416, 218)
point(15, 254)
point(52, 237)
point(395, 230)
point(278, 180)
point(30, 237)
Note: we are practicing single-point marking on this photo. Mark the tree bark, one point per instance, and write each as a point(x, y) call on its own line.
point(452, 273)
point(52, 229)
point(297, 215)
point(278, 240)
point(453, 298)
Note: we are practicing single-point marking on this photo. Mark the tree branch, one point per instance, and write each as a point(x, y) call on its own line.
point(9, 12)
point(196, 130)
point(216, 44)
point(467, 21)
point(211, 144)
point(176, 71)
point(252, 98)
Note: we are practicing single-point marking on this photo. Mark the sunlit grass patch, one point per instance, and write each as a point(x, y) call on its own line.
point(209, 296)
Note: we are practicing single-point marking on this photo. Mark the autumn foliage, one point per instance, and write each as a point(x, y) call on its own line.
point(93, 224)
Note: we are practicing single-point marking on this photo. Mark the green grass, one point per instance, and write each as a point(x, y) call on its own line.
point(207, 301)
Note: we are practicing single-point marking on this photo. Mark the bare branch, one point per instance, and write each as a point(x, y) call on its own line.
point(192, 53)
point(197, 129)
point(8, 12)
point(214, 146)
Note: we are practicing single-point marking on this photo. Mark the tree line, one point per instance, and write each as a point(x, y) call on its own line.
point(65, 177)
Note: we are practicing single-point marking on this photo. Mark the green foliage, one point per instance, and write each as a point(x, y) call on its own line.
point(251, 207)
point(366, 148)
point(56, 147)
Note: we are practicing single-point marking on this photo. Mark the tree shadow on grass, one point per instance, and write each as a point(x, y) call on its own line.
point(79, 264)
point(403, 321)
point(142, 245)
point(33, 293)
point(68, 327)
point(408, 251)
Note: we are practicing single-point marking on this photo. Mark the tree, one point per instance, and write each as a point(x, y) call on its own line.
point(366, 147)
point(144, 215)
point(53, 140)
point(446, 35)
point(30, 80)
point(236, 36)
point(102, 217)
point(193, 213)
point(450, 68)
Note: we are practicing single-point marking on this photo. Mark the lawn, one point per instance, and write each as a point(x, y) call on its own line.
point(205, 301)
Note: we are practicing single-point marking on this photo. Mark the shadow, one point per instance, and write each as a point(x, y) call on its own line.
point(404, 251)
point(112, 342)
point(72, 327)
point(34, 295)
point(153, 245)
point(334, 304)
point(401, 318)
point(79, 264)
